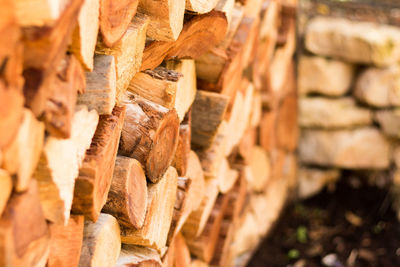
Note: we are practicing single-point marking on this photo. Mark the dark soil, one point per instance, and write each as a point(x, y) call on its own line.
point(351, 226)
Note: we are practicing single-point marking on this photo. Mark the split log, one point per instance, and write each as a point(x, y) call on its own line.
point(200, 6)
point(38, 12)
point(287, 131)
point(196, 175)
point(198, 35)
point(22, 155)
point(128, 52)
point(246, 145)
point(6, 189)
point(95, 174)
point(101, 242)
point(24, 236)
point(198, 263)
point(115, 18)
point(227, 7)
point(48, 45)
point(161, 199)
point(66, 243)
point(268, 130)
point(256, 110)
point(258, 173)
point(127, 198)
point(158, 85)
point(180, 161)
point(101, 85)
point(197, 220)
point(150, 135)
point(226, 177)
point(208, 111)
point(59, 164)
point(138, 256)
point(168, 260)
point(60, 105)
point(166, 18)
point(186, 86)
point(84, 36)
point(182, 253)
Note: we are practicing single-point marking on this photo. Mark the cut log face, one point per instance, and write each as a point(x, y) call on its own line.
point(182, 255)
point(115, 17)
point(180, 161)
point(260, 168)
point(101, 242)
point(38, 12)
point(198, 35)
point(127, 198)
point(6, 188)
point(166, 18)
point(66, 243)
point(138, 256)
point(23, 231)
point(22, 155)
point(128, 52)
point(208, 111)
point(150, 135)
point(101, 85)
point(95, 174)
point(161, 200)
point(201, 6)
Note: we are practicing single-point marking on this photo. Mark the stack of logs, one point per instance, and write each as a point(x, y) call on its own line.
point(144, 133)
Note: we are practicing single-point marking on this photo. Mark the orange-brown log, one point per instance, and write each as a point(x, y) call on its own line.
point(180, 161)
point(95, 174)
point(127, 198)
point(150, 135)
point(131, 256)
point(182, 254)
point(197, 36)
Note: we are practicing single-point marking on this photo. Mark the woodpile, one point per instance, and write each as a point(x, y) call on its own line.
point(144, 132)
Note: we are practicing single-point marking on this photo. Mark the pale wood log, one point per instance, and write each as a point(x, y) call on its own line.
point(226, 177)
point(115, 17)
point(158, 85)
point(198, 35)
point(101, 85)
point(258, 172)
point(208, 112)
point(49, 45)
point(198, 263)
point(161, 200)
point(200, 6)
point(186, 85)
point(270, 19)
point(95, 174)
point(138, 256)
point(6, 186)
point(66, 243)
point(150, 135)
point(59, 164)
point(246, 145)
point(60, 104)
point(181, 157)
point(256, 110)
point(24, 235)
point(227, 7)
point(22, 155)
point(168, 260)
point(38, 12)
point(84, 36)
point(197, 220)
point(166, 18)
point(182, 253)
point(252, 8)
point(128, 52)
point(127, 198)
point(101, 242)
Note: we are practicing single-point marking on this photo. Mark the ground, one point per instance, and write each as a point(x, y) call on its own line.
point(352, 225)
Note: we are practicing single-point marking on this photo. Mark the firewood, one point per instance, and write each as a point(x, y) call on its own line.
point(158, 85)
point(128, 52)
point(115, 18)
point(186, 85)
point(22, 155)
point(268, 130)
point(200, 6)
point(24, 233)
point(6, 188)
point(226, 177)
point(204, 245)
point(84, 36)
point(161, 199)
point(246, 145)
point(127, 198)
point(256, 110)
point(198, 35)
point(166, 18)
point(182, 253)
point(59, 164)
point(198, 263)
point(150, 135)
point(207, 114)
point(287, 130)
point(181, 157)
point(60, 105)
point(100, 91)
point(168, 260)
point(101, 242)
point(66, 242)
point(95, 174)
point(138, 256)
point(38, 12)
point(48, 45)
point(259, 170)
point(227, 7)
point(197, 220)
point(252, 8)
